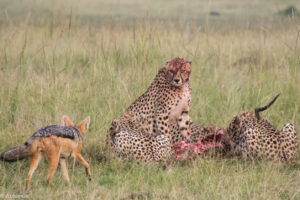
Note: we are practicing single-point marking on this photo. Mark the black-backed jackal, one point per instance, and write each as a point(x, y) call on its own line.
point(56, 143)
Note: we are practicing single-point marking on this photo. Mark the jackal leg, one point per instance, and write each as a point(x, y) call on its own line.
point(52, 154)
point(35, 159)
point(64, 169)
point(80, 159)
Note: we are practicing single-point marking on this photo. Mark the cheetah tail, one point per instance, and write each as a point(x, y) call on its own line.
point(257, 110)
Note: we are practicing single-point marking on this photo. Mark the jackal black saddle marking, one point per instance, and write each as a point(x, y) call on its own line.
point(59, 131)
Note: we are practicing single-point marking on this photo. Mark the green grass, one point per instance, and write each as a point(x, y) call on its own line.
point(96, 57)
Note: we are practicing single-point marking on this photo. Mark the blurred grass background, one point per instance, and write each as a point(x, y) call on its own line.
point(95, 58)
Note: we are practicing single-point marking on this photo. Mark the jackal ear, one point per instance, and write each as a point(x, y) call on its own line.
point(67, 121)
point(84, 124)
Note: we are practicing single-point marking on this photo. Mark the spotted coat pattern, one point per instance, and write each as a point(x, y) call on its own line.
point(251, 137)
point(145, 130)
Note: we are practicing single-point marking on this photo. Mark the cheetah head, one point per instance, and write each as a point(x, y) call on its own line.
point(178, 71)
point(234, 130)
point(238, 121)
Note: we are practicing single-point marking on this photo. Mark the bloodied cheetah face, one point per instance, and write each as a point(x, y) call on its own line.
point(178, 71)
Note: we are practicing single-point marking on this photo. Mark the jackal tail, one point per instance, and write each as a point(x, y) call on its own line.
point(16, 153)
point(257, 110)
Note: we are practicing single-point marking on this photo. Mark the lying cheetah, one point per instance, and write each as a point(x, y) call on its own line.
point(135, 144)
point(139, 146)
point(250, 136)
point(144, 130)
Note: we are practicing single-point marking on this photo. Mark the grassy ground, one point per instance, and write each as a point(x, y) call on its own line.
point(96, 57)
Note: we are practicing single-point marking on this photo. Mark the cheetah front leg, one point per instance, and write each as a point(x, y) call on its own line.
point(161, 125)
point(162, 120)
point(167, 117)
point(184, 122)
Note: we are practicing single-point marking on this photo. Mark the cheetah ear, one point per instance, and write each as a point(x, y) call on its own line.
point(67, 121)
point(238, 122)
point(114, 127)
point(234, 125)
point(167, 65)
point(190, 65)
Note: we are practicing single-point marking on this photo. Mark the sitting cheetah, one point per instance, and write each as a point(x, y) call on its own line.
point(166, 100)
point(144, 130)
point(250, 136)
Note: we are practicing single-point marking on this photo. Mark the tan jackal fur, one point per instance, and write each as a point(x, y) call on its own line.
point(56, 143)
